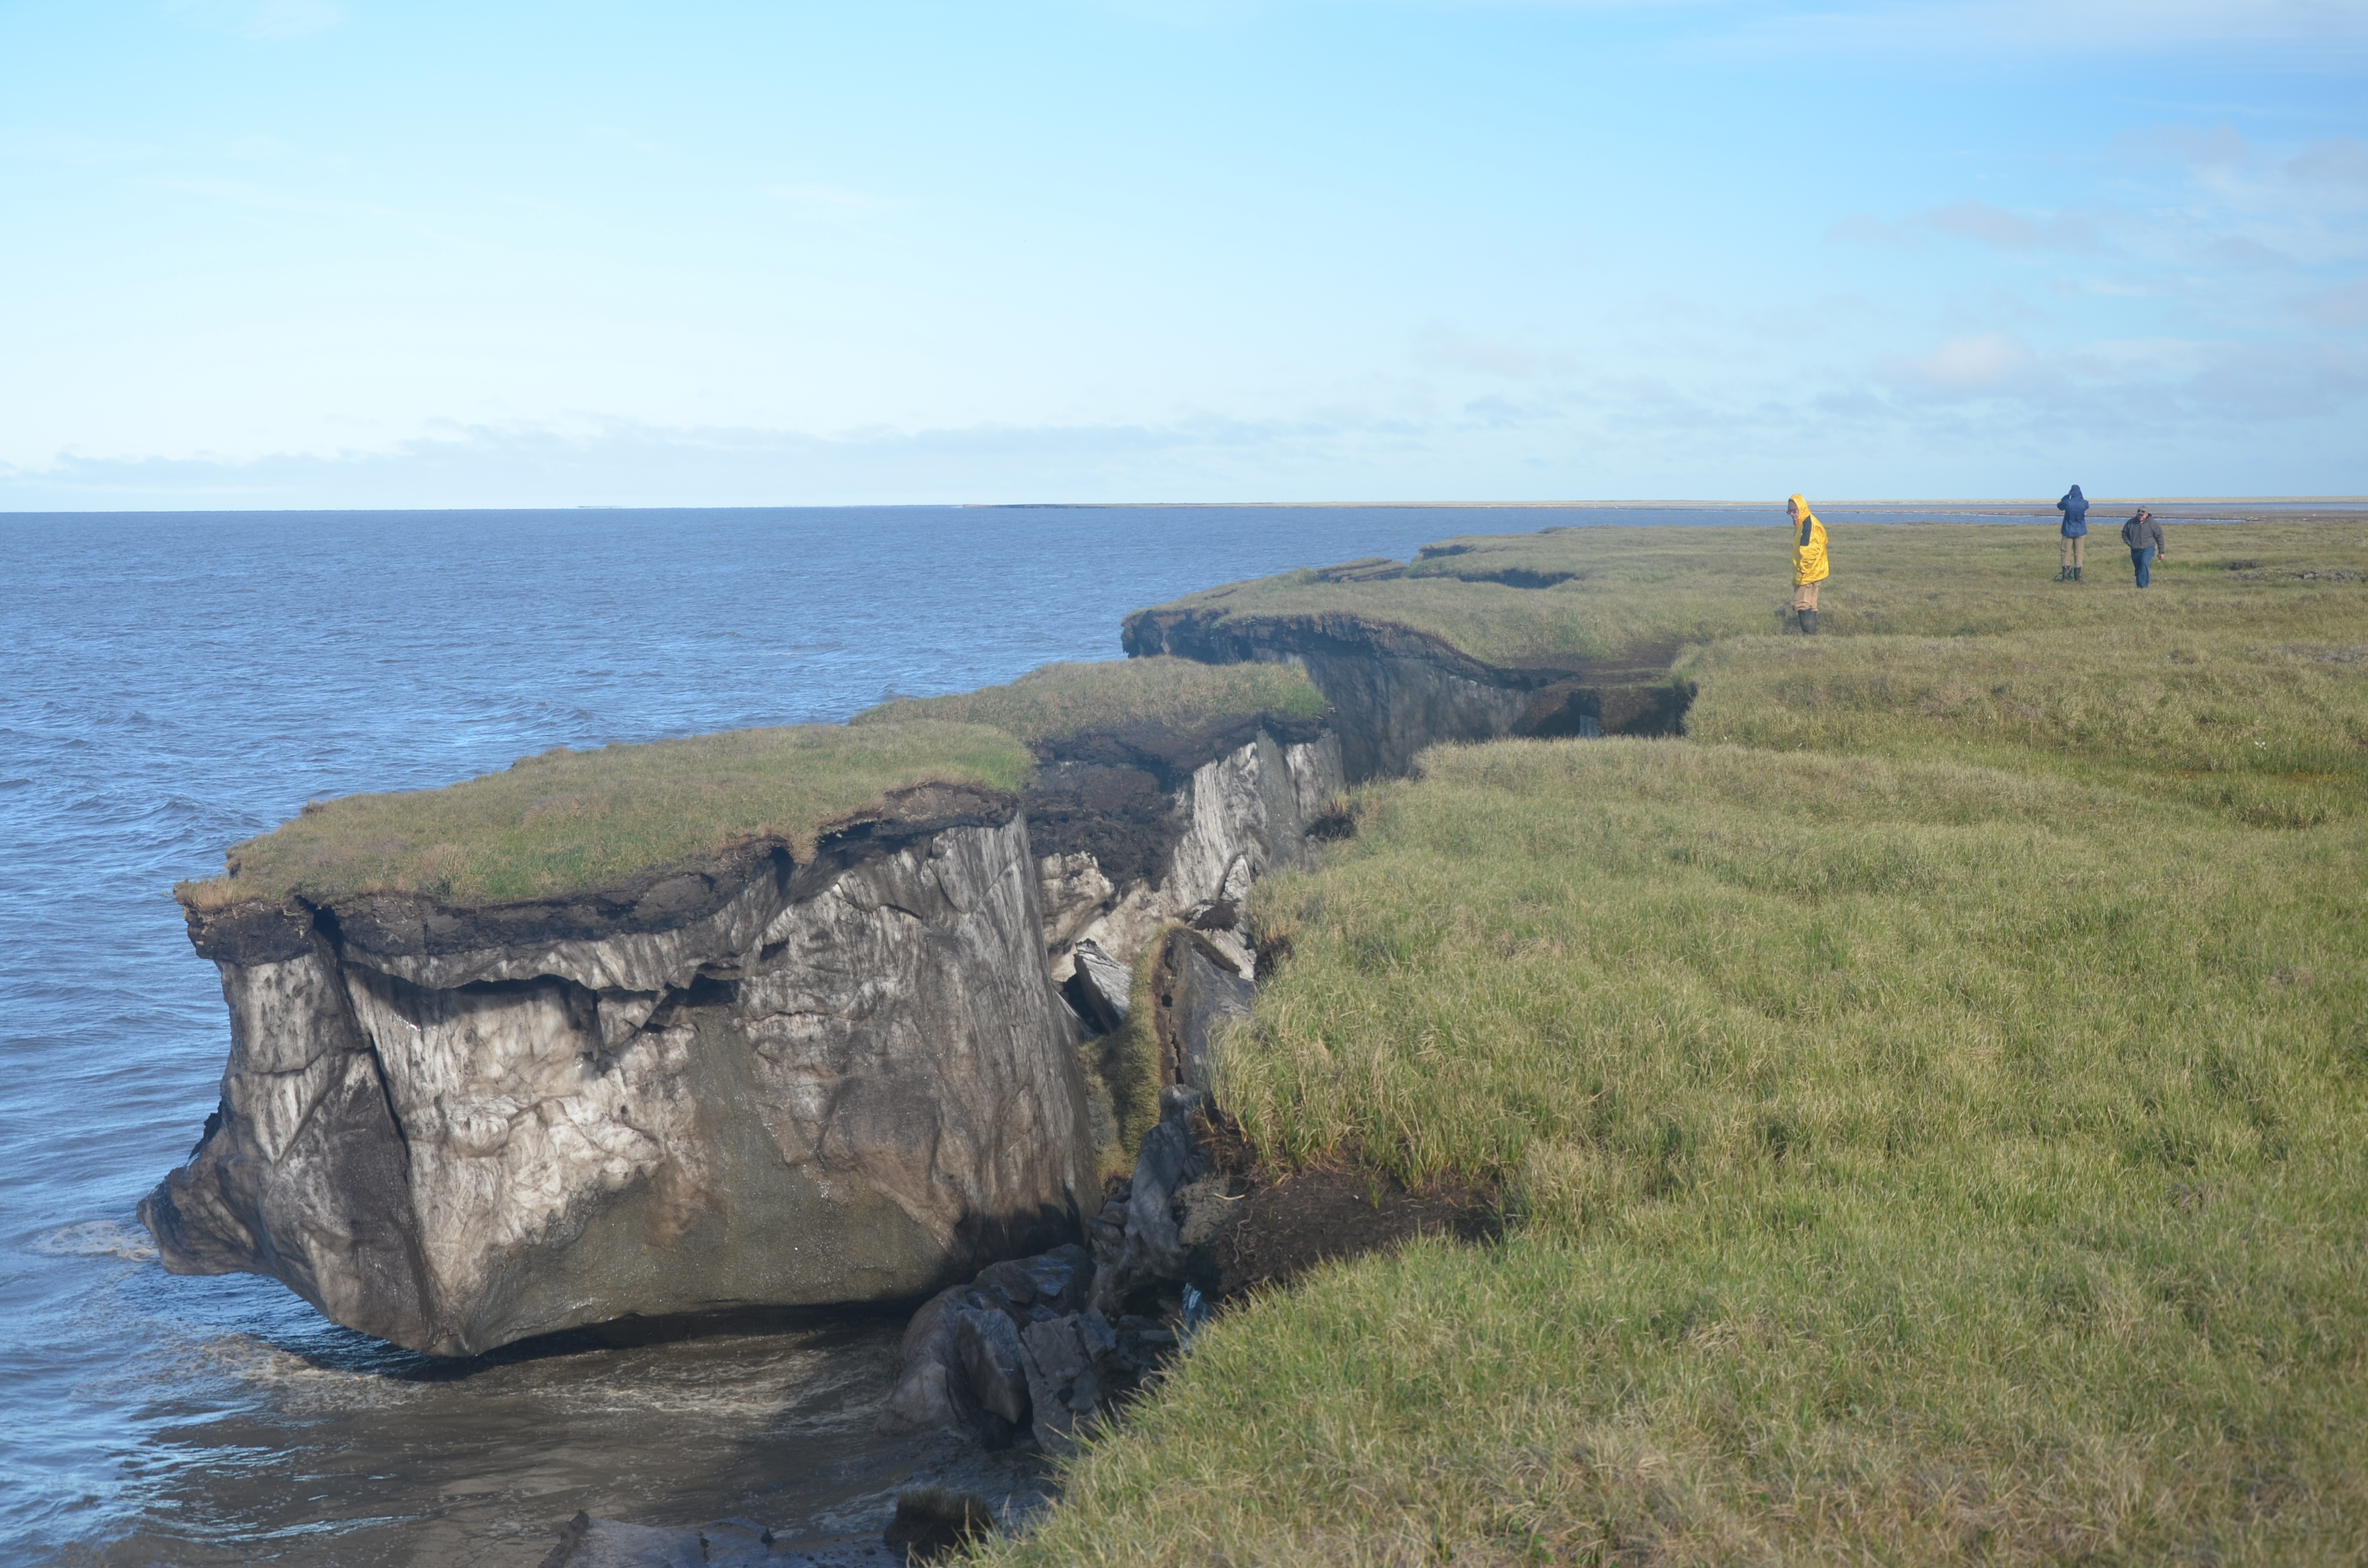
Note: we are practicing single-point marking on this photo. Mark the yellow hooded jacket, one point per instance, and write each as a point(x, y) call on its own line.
point(1809, 548)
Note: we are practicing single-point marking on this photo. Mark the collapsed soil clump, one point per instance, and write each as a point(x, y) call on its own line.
point(1269, 1226)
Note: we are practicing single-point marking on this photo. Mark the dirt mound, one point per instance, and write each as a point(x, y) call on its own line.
point(1247, 1225)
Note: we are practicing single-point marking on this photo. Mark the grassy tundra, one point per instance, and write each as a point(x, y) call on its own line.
point(568, 821)
point(1930, 1100)
point(1175, 698)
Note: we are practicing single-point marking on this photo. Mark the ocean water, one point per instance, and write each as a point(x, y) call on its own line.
point(171, 684)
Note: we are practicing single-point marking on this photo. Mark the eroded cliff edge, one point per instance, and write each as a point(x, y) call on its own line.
point(1136, 831)
point(1396, 690)
point(754, 1080)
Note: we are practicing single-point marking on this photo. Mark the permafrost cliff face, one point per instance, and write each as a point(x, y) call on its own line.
point(754, 1082)
point(757, 1083)
point(1229, 822)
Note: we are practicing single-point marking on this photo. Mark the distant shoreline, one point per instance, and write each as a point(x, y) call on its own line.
point(2277, 501)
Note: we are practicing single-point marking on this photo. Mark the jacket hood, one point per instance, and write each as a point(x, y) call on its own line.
point(2074, 494)
point(1802, 502)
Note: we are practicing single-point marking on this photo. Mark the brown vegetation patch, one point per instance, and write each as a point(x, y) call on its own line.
point(1277, 1224)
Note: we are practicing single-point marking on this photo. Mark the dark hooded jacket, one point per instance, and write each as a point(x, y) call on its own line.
point(2074, 507)
point(2142, 530)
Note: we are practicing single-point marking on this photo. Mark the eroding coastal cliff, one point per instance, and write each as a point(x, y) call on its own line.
point(826, 1062)
point(807, 1017)
point(759, 1081)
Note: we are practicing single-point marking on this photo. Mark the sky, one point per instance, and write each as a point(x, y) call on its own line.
point(356, 253)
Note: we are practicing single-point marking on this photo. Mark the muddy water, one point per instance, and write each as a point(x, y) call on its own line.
point(295, 1441)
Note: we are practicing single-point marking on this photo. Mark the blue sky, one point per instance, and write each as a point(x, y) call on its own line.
point(344, 252)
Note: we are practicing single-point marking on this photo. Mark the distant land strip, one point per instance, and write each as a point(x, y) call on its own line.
point(2094, 501)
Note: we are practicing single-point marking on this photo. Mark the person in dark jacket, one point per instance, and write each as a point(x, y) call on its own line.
point(2142, 534)
point(2074, 507)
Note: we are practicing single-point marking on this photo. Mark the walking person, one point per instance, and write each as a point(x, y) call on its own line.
point(2142, 534)
point(2074, 507)
point(1809, 567)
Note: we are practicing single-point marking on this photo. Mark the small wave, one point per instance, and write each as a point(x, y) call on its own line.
point(98, 1238)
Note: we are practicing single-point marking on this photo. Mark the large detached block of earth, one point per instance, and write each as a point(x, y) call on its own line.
point(756, 1020)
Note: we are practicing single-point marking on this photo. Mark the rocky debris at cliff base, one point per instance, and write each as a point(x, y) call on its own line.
point(945, 1502)
point(1046, 1345)
point(1044, 1348)
point(932, 1523)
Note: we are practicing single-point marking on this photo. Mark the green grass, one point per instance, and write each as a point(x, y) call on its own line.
point(1117, 696)
point(1931, 1103)
point(1654, 589)
point(2271, 724)
point(568, 821)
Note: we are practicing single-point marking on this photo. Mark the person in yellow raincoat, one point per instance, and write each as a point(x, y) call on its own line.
point(1809, 566)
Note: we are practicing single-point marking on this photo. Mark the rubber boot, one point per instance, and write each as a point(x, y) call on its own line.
point(2064, 574)
point(1809, 623)
point(2076, 574)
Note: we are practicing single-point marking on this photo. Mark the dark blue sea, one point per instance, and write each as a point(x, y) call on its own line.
point(172, 683)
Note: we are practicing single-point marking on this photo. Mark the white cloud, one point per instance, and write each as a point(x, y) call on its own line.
point(1988, 362)
point(1996, 226)
point(1444, 347)
point(2337, 160)
point(1977, 221)
point(2339, 307)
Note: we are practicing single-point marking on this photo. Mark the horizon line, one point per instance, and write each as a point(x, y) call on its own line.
point(1662, 504)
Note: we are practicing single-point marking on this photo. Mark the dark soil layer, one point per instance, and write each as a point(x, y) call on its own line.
point(1119, 815)
point(1108, 793)
point(1281, 1224)
point(1171, 754)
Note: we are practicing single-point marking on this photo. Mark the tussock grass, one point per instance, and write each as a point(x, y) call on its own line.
point(2176, 704)
point(1638, 588)
point(1117, 696)
point(1913, 1162)
point(569, 822)
point(2168, 696)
